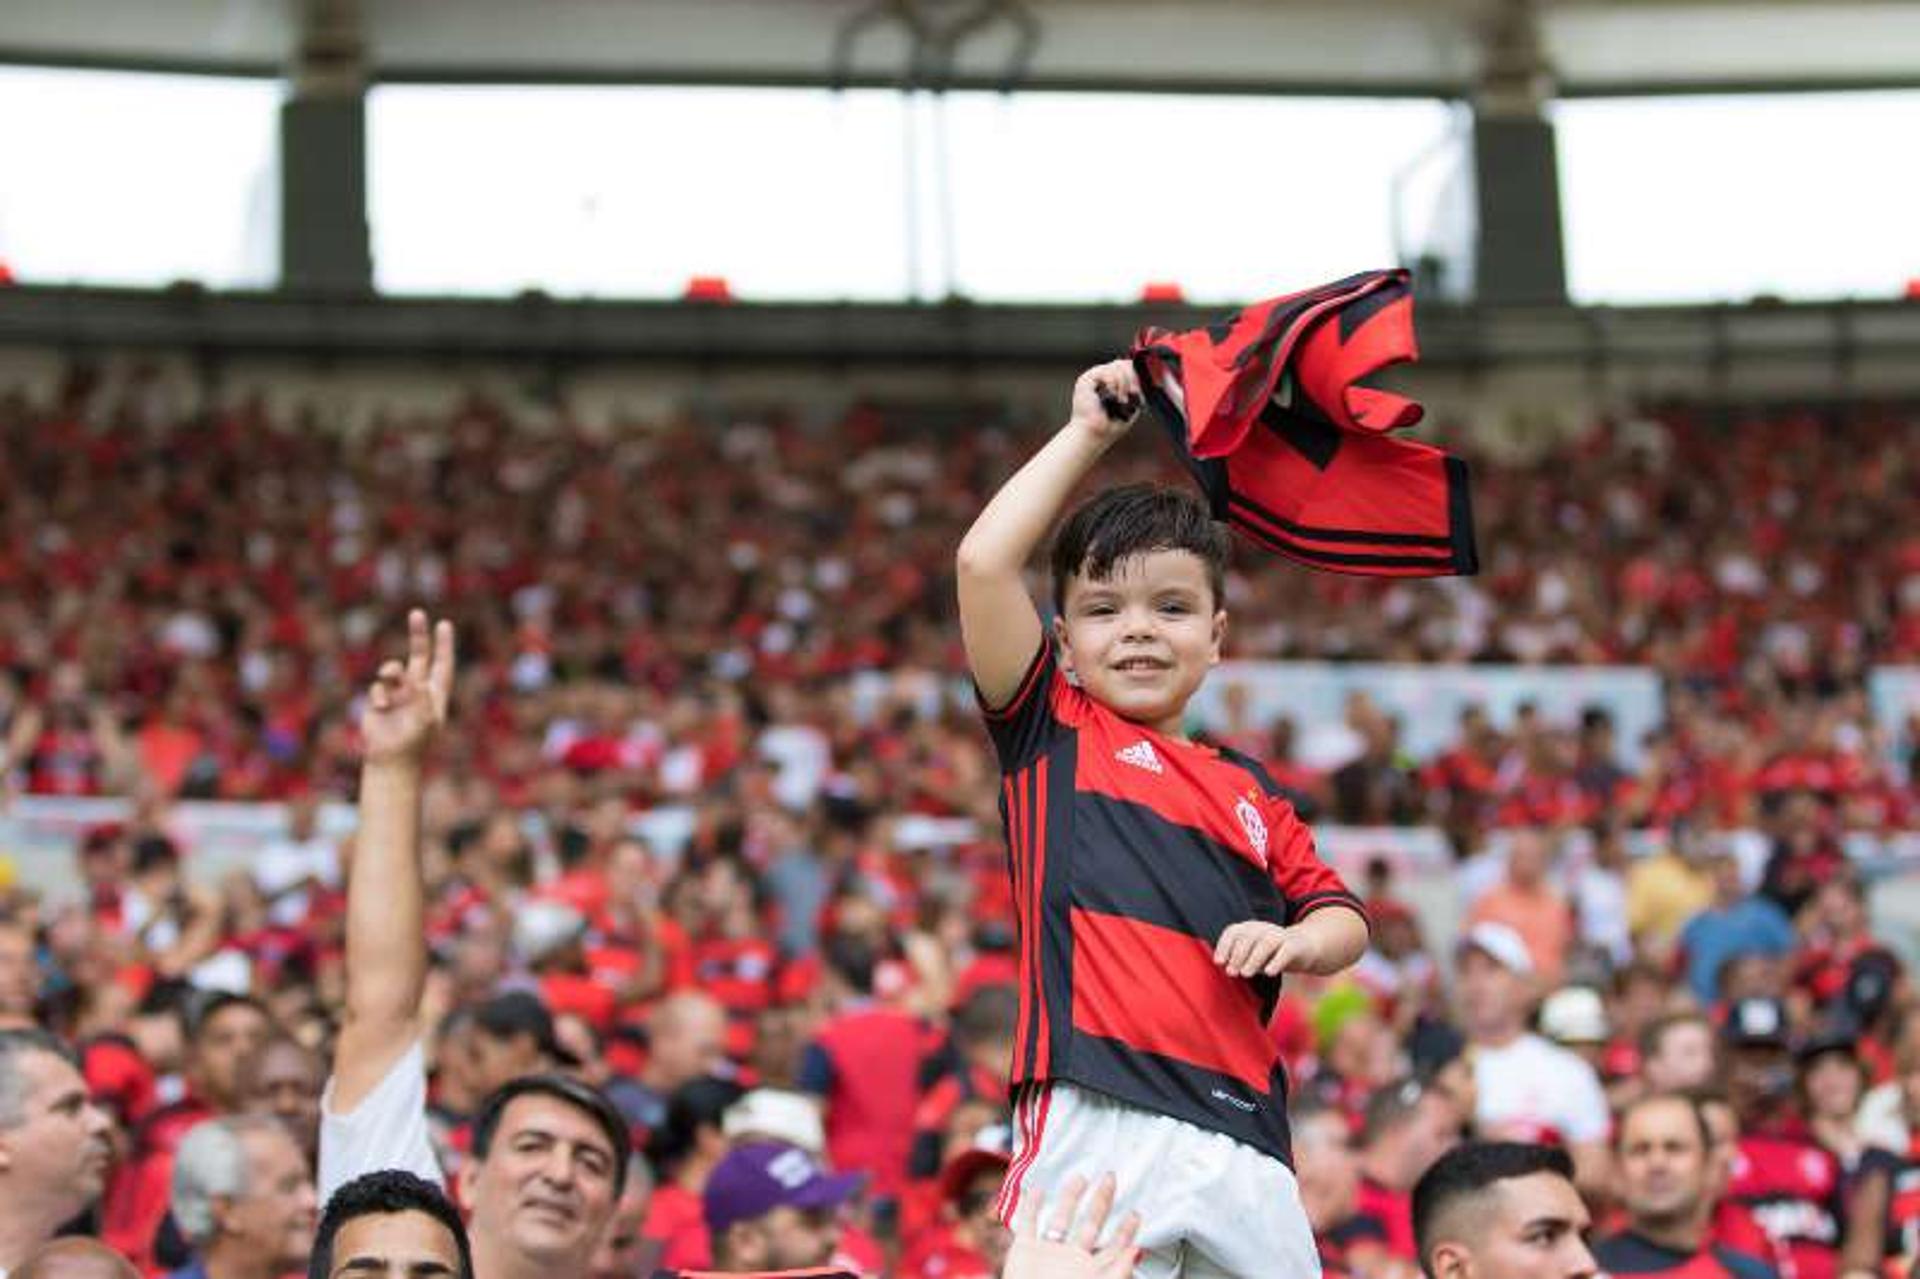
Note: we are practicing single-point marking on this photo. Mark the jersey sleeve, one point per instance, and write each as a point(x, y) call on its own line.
point(1305, 882)
point(1023, 728)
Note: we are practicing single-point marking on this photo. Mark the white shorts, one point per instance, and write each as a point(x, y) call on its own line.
point(1210, 1207)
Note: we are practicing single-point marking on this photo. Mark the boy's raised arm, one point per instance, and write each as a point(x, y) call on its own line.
point(386, 910)
point(998, 622)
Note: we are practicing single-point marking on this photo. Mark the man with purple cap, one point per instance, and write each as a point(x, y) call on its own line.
point(770, 1206)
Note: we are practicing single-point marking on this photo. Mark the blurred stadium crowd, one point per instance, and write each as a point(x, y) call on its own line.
point(676, 614)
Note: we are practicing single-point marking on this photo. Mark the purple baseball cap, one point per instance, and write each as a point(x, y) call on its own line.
point(754, 1179)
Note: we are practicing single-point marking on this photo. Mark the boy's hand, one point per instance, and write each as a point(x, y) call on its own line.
point(1254, 947)
point(1107, 399)
point(408, 702)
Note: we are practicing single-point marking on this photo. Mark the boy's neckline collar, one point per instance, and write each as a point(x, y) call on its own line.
point(1187, 743)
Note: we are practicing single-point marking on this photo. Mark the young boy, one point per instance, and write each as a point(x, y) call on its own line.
point(1161, 887)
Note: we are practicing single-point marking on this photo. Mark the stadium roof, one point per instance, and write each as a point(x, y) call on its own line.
point(1379, 46)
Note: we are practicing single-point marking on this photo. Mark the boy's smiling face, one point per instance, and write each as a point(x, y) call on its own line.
point(1141, 641)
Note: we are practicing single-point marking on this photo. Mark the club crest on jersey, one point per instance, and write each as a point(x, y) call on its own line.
point(1254, 824)
point(1140, 755)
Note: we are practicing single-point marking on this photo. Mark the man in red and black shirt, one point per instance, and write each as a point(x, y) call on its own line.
point(1665, 1162)
point(982, 1052)
point(1790, 1183)
point(1349, 1238)
point(1406, 1127)
point(1888, 1197)
point(1730, 1223)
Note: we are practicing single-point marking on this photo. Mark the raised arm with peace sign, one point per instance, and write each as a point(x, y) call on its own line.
point(408, 700)
point(386, 911)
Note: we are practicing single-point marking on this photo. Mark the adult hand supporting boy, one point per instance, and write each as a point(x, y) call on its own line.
point(1322, 944)
point(998, 622)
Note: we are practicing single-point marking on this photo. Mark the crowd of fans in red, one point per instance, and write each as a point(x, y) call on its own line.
point(188, 609)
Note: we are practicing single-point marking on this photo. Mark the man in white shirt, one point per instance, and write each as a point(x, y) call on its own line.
point(1528, 1089)
point(549, 1157)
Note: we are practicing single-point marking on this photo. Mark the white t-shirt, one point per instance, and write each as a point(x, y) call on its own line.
point(1531, 1084)
point(388, 1129)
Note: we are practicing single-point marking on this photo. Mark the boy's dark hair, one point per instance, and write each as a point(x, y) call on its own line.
point(379, 1194)
point(1137, 519)
point(1468, 1171)
point(581, 1096)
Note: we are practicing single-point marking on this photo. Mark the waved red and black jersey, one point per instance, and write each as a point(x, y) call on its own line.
point(1131, 853)
point(1271, 411)
point(1793, 1188)
point(1630, 1254)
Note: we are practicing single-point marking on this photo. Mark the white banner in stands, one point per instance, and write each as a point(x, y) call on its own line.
point(38, 836)
point(1426, 699)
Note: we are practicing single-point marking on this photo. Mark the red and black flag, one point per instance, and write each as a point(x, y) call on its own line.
point(1272, 412)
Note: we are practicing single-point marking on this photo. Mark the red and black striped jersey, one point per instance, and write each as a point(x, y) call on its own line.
point(1795, 1189)
point(1131, 852)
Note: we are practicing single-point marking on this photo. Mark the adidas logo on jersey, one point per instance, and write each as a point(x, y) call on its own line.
point(1140, 755)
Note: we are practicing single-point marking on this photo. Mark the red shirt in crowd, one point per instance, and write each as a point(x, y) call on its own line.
point(1393, 1209)
point(1792, 1186)
point(866, 1062)
point(672, 1212)
point(140, 1191)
